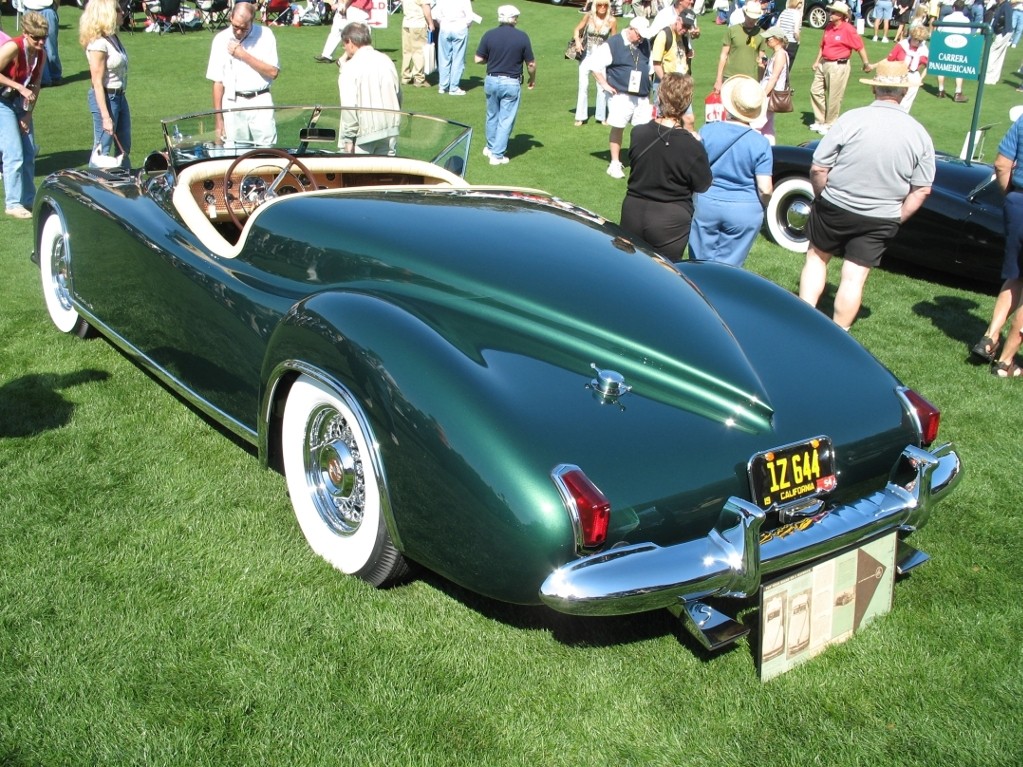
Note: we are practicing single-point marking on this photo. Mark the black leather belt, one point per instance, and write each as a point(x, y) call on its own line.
point(250, 94)
point(114, 91)
point(836, 61)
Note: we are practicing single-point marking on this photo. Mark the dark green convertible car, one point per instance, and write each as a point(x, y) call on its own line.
point(488, 381)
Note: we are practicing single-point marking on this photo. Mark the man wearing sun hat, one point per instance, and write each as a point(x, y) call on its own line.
point(743, 47)
point(831, 67)
point(863, 194)
point(621, 66)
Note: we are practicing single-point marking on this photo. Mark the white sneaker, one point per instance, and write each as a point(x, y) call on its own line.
point(884, 39)
point(875, 38)
point(19, 211)
point(456, 92)
point(499, 160)
point(441, 91)
point(815, 126)
point(615, 170)
point(486, 151)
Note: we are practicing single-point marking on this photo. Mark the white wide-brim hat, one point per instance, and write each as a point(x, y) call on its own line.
point(743, 98)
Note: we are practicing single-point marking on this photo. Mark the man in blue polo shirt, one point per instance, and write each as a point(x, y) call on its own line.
point(504, 49)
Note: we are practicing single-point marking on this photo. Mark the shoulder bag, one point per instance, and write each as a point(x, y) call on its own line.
point(781, 101)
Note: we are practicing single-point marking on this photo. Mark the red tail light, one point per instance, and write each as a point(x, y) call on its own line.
point(926, 417)
point(587, 506)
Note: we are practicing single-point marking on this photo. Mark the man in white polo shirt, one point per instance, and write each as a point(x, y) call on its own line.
point(243, 64)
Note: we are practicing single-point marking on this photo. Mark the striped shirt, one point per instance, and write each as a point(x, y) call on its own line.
point(790, 20)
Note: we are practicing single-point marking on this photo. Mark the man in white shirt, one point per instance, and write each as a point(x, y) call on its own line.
point(453, 18)
point(243, 63)
point(957, 16)
point(368, 80)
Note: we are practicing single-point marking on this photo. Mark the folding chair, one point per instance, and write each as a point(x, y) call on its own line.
point(215, 14)
point(164, 15)
point(280, 13)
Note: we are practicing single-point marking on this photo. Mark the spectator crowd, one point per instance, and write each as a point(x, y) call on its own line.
point(696, 193)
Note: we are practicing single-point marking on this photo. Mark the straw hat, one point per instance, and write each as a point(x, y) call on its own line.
point(753, 10)
point(743, 98)
point(889, 74)
point(840, 7)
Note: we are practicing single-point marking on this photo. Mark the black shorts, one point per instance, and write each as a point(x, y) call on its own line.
point(860, 239)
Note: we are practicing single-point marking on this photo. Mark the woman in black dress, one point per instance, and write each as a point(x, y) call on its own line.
point(668, 165)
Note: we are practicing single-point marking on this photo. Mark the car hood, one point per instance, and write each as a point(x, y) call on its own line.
point(488, 270)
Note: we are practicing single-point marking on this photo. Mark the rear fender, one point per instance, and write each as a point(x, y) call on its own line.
point(454, 490)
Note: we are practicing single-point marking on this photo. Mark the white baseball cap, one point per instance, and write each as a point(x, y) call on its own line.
point(507, 13)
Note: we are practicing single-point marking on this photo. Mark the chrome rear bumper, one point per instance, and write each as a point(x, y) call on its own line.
point(732, 560)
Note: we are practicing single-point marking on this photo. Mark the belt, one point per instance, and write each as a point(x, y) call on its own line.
point(115, 91)
point(250, 94)
point(836, 61)
point(518, 78)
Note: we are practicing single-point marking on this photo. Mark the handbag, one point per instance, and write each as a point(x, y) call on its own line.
point(573, 52)
point(430, 54)
point(105, 161)
point(714, 110)
point(780, 101)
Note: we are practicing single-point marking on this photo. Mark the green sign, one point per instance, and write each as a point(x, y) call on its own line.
point(956, 54)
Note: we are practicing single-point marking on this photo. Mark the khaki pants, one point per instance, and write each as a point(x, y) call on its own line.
point(412, 64)
point(827, 90)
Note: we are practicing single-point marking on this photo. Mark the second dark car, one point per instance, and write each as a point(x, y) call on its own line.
point(959, 229)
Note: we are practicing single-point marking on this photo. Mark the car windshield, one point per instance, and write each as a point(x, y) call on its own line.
point(317, 131)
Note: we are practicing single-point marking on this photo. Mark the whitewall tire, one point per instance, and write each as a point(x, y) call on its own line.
point(55, 271)
point(787, 213)
point(336, 490)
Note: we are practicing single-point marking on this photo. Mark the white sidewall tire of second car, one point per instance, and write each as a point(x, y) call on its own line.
point(364, 550)
point(776, 205)
point(52, 238)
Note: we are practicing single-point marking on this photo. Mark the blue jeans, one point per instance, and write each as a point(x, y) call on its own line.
point(503, 95)
point(117, 104)
point(54, 71)
point(19, 157)
point(724, 230)
point(451, 57)
point(1017, 26)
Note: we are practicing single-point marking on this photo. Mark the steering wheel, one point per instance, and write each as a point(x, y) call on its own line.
point(250, 190)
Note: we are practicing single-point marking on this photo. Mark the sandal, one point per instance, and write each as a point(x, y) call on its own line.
point(986, 348)
point(1006, 370)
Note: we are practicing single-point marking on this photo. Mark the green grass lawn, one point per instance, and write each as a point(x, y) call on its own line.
point(158, 604)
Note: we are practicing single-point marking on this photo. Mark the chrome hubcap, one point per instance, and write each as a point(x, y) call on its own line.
point(797, 213)
point(59, 272)
point(334, 471)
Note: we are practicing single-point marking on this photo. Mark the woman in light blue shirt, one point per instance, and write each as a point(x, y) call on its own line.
point(729, 215)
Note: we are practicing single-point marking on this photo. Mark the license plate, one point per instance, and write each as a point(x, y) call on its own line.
point(792, 473)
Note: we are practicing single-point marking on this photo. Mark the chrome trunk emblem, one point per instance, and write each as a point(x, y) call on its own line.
point(609, 385)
